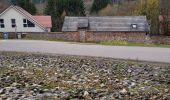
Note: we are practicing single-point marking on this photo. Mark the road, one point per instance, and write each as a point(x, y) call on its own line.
point(120, 52)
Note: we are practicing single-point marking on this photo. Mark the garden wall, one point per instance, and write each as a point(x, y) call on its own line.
point(69, 36)
point(137, 37)
point(10, 36)
point(92, 36)
point(160, 39)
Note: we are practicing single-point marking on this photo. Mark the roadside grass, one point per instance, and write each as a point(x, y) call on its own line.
point(124, 43)
point(42, 38)
point(110, 43)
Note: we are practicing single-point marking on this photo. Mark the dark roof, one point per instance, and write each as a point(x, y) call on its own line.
point(116, 23)
point(82, 22)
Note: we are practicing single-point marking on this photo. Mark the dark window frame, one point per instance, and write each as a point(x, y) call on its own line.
point(30, 24)
point(24, 20)
point(13, 21)
point(2, 25)
point(1, 20)
point(27, 23)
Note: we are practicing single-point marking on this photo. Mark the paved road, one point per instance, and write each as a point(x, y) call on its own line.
point(121, 52)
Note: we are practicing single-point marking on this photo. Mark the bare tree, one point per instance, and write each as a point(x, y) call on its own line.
point(164, 8)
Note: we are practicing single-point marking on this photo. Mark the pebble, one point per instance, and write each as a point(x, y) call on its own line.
point(38, 76)
point(2, 91)
point(86, 94)
point(102, 85)
point(123, 91)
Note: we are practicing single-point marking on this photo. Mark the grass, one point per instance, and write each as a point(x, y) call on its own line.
point(42, 38)
point(124, 43)
point(111, 43)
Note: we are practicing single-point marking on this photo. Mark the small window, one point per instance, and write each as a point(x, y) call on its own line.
point(1, 20)
point(134, 26)
point(13, 23)
point(27, 23)
point(24, 21)
point(30, 24)
point(2, 25)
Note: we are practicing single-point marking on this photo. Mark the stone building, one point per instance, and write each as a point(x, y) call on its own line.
point(120, 28)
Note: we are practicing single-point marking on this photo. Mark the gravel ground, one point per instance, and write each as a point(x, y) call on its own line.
point(28, 76)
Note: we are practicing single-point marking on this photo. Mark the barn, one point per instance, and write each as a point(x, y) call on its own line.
point(122, 28)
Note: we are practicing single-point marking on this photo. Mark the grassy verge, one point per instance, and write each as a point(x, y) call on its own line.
point(42, 38)
point(124, 43)
point(112, 43)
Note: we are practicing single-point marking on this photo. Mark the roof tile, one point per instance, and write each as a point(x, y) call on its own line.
point(44, 20)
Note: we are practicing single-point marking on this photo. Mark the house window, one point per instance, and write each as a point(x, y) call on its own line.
point(134, 26)
point(27, 23)
point(2, 25)
point(13, 23)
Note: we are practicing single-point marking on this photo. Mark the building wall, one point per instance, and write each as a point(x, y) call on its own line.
point(68, 36)
point(13, 14)
point(160, 39)
point(96, 37)
point(118, 36)
point(10, 35)
point(49, 29)
point(138, 37)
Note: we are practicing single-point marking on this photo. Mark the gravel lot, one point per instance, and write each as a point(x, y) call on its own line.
point(60, 77)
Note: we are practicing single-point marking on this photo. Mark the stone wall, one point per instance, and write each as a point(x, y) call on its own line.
point(1, 36)
point(91, 36)
point(87, 36)
point(137, 37)
point(118, 36)
point(160, 39)
point(65, 36)
point(10, 36)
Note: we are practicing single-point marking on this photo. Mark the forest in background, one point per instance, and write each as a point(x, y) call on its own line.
point(58, 9)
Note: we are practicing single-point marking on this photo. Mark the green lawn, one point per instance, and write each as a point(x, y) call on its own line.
point(124, 43)
point(42, 38)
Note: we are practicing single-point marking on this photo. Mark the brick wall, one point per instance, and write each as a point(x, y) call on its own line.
point(10, 36)
point(160, 39)
point(92, 36)
point(1, 36)
point(66, 36)
point(137, 37)
point(119, 36)
point(88, 36)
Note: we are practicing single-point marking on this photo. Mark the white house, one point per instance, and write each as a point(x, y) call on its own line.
point(16, 19)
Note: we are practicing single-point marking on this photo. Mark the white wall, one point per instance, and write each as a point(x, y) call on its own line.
point(49, 29)
point(13, 14)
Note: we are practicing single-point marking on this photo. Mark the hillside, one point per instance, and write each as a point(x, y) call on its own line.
point(3, 4)
point(117, 8)
point(40, 5)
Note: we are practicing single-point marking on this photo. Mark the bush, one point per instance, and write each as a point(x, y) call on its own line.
point(98, 5)
point(107, 11)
